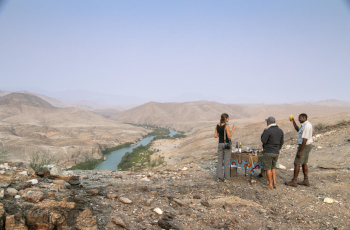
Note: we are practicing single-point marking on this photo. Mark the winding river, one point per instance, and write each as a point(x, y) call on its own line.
point(116, 156)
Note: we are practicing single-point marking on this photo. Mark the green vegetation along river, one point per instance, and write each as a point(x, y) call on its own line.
point(116, 156)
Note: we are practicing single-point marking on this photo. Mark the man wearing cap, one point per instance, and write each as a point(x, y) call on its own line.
point(272, 140)
point(304, 140)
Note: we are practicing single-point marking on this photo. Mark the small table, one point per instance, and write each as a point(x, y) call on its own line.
point(249, 162)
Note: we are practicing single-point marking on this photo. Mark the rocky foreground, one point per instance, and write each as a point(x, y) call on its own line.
point(182, 197)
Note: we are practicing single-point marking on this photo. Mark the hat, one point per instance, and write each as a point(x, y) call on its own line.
point(270, 120)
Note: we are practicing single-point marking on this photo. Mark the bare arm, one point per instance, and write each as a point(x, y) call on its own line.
point(229, 134)
point(295, 125)
point(216, 135)
point(302, 147)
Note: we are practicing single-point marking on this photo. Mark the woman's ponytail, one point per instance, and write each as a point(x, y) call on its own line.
point(224, 116)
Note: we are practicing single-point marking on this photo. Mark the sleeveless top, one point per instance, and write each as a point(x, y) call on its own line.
point(220, 130)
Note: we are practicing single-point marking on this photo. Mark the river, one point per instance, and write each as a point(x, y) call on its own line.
point(116, 156)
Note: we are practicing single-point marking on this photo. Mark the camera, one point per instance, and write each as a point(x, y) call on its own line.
point(227, 146)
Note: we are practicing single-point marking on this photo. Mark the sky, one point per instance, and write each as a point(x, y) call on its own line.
point(228, 51)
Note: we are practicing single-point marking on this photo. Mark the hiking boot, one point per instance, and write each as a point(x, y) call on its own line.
point(305, 182)
point(293, 183)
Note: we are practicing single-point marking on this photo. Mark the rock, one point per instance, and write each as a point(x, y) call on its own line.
point(34, 196)
point(148, 202)
point(205, 203)
point(118, 176)
point(2, 171)
point(86, 221)
point(24, 173)
point(44, 173)
point(143, 188)
point(54, 171)
point(74, 180)
point(2, 193)
point(158, 211)
point(92, 191)
point(169, 196)
point(184, 169)
point(197, 197)
point(66, 178)
point(112, 196)
point(164, 224)
point(125, 200)
point(118, 221)
point(23, 185)
point(191, 206)
point(319, 147)
point(154, 193)
point(329, 200)
point(63, 183)
point(17, 196)
point(2, 216)
point(145, 179)
point(33, 181)
point(15, 222)
point(4, 184)
point(179, 202)
point(281, 167)
point(149, 175)
point(12, 191)
point(54, 204)
point(175, 185)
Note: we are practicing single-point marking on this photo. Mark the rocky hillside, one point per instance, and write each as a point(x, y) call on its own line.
point(29, 125)
point(180, 115)
point(24, 99)
point(168, 114)
point(184, 196)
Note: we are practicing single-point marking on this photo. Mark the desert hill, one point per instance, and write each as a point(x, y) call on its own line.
point(183, 116)
point(108, 112)
point(169, 114)
point(28, 124)
point(24, 99)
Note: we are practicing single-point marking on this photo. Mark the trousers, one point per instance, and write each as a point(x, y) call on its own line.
point(224, 155)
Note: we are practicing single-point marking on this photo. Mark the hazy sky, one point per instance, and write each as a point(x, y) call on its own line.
point(228, 51)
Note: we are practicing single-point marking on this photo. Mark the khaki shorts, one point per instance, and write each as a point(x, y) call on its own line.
point(304, 158)
point(270, 160)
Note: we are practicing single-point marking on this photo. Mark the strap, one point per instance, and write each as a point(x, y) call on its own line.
point(225, 133)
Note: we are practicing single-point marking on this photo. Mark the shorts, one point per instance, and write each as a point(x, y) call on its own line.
point(270, 160)
point(304, 155)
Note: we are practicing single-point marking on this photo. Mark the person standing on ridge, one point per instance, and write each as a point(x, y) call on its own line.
point(304, 140)
point(224, 154)
point(272, 140)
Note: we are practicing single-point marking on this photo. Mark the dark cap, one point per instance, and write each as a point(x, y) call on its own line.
point(270, 120)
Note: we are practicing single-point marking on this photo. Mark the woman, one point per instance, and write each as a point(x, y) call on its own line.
point(223, 153)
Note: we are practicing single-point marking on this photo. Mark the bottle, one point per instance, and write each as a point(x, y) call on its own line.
point(236, 147)
point(240, 147)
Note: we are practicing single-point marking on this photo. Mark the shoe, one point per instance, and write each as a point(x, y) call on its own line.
point(293, 183)
point(268, 186)
point(274, 186)
point(219, 180)
point(305, 183)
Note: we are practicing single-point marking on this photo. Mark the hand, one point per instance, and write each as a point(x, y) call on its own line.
point(234, 127)
point(299, 155)
point(292, 120)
